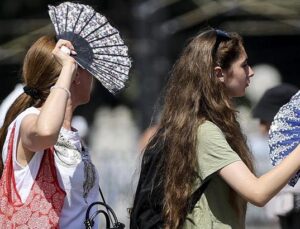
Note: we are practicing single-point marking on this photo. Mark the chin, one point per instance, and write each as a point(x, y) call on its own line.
point(85, 101)
point(237, 95)
point(88, 100)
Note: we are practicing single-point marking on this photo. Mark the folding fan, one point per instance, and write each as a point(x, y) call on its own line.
point(284, 134)
point(100, 49)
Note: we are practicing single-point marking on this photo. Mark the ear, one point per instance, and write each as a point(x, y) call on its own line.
point(219, 73)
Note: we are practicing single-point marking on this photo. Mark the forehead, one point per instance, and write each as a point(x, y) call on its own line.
point(243, 55)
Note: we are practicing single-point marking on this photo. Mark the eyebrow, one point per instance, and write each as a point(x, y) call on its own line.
point(245, 60)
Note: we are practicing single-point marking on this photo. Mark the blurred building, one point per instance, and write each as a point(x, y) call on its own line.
point(156, 31)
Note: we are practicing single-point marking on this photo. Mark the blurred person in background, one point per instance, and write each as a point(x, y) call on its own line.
point(116, 155)
point(8, 100)
point(281, 206)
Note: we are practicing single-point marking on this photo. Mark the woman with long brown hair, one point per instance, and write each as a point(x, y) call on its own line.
point(40, 187)
point(200, 139)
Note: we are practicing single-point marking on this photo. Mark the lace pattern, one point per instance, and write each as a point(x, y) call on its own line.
point(99, 46)
point(70, 156)
point(42, 207)
point(284, 134)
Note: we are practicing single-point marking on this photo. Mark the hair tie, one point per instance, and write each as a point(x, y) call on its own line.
point(34, 93)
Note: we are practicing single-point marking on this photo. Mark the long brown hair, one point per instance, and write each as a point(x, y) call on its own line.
point(40, 71)
point(193, 94)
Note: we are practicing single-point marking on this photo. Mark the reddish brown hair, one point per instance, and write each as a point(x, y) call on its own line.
point(40, 71)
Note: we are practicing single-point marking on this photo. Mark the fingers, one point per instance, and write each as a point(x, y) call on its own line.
point(67, 50)
point(63, 53)
point(65, 47)
point(65, 43)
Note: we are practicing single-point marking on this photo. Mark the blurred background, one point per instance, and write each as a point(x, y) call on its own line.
point(156, 31)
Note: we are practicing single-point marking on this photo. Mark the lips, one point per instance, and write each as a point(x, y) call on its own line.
point(248, 82)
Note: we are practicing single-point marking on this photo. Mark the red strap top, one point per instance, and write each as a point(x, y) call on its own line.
point(44, 203)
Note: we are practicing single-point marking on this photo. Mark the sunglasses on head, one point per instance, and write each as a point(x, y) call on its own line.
point(220, 36)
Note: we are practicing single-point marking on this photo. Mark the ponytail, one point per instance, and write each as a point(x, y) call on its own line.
point(21, 103)
point(40, 72)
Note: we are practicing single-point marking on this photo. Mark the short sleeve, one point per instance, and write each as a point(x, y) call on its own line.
point(213, 150)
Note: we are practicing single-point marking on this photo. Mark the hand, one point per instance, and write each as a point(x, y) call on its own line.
point(62, 51)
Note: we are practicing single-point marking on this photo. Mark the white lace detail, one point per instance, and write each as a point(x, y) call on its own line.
point(285, 133)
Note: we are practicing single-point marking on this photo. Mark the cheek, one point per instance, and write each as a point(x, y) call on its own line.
point(92, 81)
point(88, 80)
point(235, 85)
point(239, 76)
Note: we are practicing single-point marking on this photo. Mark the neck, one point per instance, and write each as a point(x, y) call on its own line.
point(67, 124)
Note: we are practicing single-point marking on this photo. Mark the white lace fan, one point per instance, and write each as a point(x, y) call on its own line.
point(284, 134)
point(99, 47)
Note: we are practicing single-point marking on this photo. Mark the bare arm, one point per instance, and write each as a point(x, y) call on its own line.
point(259, 191)
point(41, 131)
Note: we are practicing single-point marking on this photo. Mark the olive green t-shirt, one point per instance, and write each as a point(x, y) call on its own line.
point(213, 210)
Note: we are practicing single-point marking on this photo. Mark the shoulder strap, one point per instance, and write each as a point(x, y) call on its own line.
point(197, 195)
point(102, 196)
point(109, 214)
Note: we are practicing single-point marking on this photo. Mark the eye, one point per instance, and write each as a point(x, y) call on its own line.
point(245, 64)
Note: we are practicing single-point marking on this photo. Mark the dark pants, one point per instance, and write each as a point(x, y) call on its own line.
point(291, 220)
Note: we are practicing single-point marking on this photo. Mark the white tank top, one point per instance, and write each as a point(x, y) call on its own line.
point(70, 167)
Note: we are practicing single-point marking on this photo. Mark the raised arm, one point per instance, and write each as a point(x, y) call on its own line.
point(259, 191)
point(41, 131)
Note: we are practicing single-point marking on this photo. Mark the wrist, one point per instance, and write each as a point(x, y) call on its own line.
point(66, 90)
point(67, 73)
point(70, 65)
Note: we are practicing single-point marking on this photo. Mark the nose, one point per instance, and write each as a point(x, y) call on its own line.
point(251, 72)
